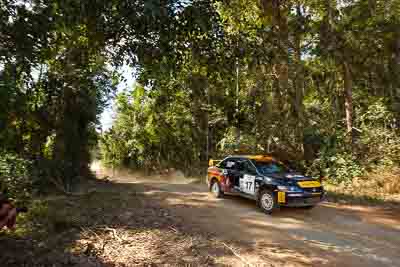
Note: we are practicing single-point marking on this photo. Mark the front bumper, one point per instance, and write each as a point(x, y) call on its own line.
point(301, 199)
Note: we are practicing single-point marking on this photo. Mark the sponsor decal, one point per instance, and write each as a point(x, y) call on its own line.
point(309, 184)
point(281, 197)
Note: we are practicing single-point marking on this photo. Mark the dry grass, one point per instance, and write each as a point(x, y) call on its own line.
point(117, 225)
point(129, 247)
point(381, 186)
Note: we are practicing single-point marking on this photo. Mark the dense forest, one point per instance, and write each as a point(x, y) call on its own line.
point(315, 82)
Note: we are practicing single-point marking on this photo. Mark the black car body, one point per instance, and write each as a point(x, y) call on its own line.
point(265, 180)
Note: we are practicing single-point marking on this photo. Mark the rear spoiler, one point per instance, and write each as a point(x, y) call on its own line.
point(213, 162)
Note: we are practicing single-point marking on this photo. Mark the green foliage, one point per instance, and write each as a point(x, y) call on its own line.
point(339, 167)
point(315, 81)
point(15, 179)
point(377, 146)
point(379, 141)
point(137, 140)
point(231, 143)
point(291, 79)
point(54, 83)
point(21, 178)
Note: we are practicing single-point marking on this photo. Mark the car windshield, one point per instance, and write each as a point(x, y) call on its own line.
point(270, 167)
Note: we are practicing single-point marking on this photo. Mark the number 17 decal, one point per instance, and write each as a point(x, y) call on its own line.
point(247, 184)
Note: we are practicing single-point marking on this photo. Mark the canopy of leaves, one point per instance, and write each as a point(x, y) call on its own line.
point(313, 81)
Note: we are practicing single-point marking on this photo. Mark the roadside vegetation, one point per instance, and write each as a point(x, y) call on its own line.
point(314, 83)
point(114, 225)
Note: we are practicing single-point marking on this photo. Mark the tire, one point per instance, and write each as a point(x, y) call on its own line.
point(267, 201)
point(216, 189)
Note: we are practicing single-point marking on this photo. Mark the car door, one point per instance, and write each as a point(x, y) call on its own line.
point(229, 170)
point(236, 172)
point(247, 178)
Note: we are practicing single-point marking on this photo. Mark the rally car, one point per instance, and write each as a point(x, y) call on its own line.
point(263, 178)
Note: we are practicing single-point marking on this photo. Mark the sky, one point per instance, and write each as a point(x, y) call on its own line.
point(107, 116)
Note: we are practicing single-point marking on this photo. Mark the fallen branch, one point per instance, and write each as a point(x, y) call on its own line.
point(173, 229)
point(104, 242)
point(237, 255)
point(114, 233)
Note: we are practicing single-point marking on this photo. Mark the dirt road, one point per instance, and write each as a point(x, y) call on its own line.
point(170, 221)
point(329, 235)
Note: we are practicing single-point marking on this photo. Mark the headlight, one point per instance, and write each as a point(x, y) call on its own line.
point(289, 188)
point(267, 179)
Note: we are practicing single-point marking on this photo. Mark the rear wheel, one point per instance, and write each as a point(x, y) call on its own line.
point(216, 189)
point(267, 201)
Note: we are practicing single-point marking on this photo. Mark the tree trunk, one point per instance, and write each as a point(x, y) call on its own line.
point(397, 78)
point(199, 85)
point(348, 97)
point(372, 7)
point(299, 83)
point(237, 106)
point(276, 12)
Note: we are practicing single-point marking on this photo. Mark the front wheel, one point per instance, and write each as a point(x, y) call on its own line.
point(216, 189)
point(267, 201)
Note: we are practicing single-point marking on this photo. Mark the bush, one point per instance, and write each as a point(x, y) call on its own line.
point(379, 141)
point(379, 147)
point(15, 179)
point(339, 167)
point(376, 146)
point(21, 178)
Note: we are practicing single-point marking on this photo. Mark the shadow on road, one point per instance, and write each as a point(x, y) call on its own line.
point(133, 223)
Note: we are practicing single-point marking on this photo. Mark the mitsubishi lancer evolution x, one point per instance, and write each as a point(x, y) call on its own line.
point(262, 178)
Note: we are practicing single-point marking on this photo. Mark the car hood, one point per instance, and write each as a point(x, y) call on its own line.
point(289, 177)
